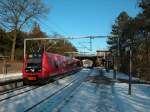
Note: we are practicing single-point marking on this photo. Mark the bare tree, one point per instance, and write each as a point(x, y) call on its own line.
point(15, 14)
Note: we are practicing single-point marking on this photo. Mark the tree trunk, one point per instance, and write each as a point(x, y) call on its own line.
point(13, 45)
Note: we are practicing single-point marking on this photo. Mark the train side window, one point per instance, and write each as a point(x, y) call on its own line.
point(49, 61)
point(55, 64)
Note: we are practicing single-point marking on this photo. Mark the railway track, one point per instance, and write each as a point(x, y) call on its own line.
point(51, 99)
point(17, 92)
point(20, 90)
point(12, 90)
point(51, 89)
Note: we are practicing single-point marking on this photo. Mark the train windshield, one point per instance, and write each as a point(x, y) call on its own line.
point(34, 60)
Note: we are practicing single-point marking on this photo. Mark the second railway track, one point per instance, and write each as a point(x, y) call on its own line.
point(29, 100)
point(57, 97)
point(22, 89)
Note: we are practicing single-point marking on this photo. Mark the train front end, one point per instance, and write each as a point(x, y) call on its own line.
point(32, 69)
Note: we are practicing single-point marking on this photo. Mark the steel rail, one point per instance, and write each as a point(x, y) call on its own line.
point(53, 94)
point(12, 90)
point(27, 90)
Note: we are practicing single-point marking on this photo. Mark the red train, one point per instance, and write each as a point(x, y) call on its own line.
point(39, 67)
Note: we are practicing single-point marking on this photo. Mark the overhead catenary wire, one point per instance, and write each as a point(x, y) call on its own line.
point(59, 30)
point(69, 37)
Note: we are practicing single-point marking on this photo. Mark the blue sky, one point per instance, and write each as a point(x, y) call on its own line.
point(86, 17)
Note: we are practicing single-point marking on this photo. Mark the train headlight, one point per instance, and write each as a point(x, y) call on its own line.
point(32, 70)
point(39, 70)
point(27, 70)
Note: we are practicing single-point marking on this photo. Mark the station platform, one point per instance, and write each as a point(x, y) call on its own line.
point(9, 77)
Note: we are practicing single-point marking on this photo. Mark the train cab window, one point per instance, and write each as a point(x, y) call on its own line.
point(34, 62)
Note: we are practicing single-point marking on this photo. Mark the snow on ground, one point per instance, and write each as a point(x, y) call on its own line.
point(91, 97)
point(10, 76)
point(139, 101)
point(51, 103)
point(95, 72)
point(88, 97)
point(119, 75)
point(24, 101)
point(113, 97)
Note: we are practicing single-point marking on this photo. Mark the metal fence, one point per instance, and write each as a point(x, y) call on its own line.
point(7, 67)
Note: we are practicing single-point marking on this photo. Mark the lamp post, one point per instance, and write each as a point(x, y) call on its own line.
point(130, 65)
point(114, 65)
point(118, 55)
point(130, 75)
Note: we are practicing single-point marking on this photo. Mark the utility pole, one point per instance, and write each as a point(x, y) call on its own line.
point(116, 59)
point(129, 48)
point(118, 53)
point(130, 75)
point(91, 43)
point(114, 67)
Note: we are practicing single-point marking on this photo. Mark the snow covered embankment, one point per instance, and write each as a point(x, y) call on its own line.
point(139, 101)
